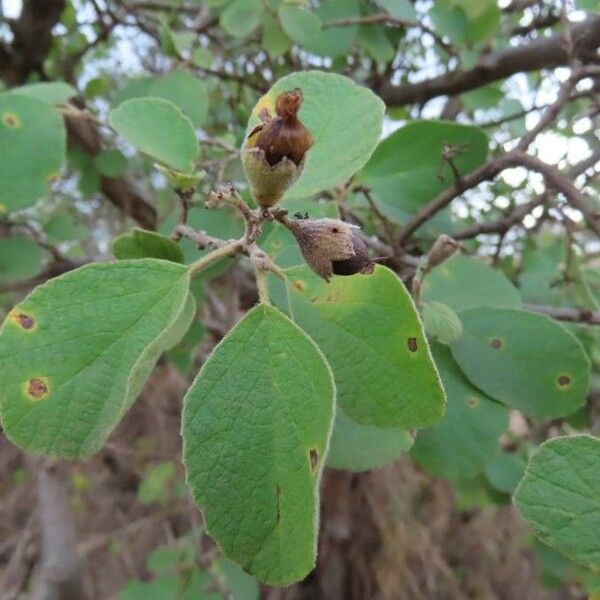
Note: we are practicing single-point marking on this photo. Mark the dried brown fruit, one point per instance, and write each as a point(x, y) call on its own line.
point(359, 263)
point(331, 246)
point(274, 152)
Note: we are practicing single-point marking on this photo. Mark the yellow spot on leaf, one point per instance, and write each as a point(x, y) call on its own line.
point(11, 120)
point(266, 102)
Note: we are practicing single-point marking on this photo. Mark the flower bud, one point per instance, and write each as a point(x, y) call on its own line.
point(331, 246)
point(443, 248)
point(274, 153)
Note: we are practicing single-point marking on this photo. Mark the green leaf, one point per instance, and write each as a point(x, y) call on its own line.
point(158, 128)
point(449, 20)
point(344, 119)
point(441, 322)
point(302, 25)
point(256, 425)
point(76, 352)
point(54, 92)
point(371, 335)
point(505, 471)
point(62, 226)
point(401, 9)
point(559, 497)
point(462, 282)
point(240, 585)
point(134, 88)
point(357, 447)
point(165, 560)
point(489, 96)
point(467, 437)
point(335, 41)
point(376, 43)
point(139, 243)
point(241, 17)
point(525, 360)
point(20, 258)
point(170, 587)
point(483, 16)
point(156, 484)
point(275, 41)
point(184, 90)
point(407, 170)
point(182, 355)
point(32, 146)
point(111, 163)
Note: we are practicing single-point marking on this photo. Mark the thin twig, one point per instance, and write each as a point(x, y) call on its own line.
point(570, 315)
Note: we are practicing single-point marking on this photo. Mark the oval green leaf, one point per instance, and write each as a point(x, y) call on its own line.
point(344, 119)
point(256, 425)
point(407, 170)
point(462, 282)
point(32, 147)
point(158, 128)
point(441, 322)
point(559, 497)
point(111, 163)
point(20, 258)
point(76, 352)
point(466, 439)
point(185, 91)
point(505, 471)
point(139, 243)
point(356, 447)
point(241, 17)
point(51, 92)
point(371, 335)
point(301, 25)
point(335, 41)
point(525, 360)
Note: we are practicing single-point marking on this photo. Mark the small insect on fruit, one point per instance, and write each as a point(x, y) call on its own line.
point(274, 153)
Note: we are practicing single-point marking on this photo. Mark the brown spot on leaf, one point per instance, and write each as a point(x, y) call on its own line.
point(496, 343)
point(299, 285)
point(313, 455)
point(37, 388)
point(563, 380)
point(23, 320)
point(473, 401)
point(411, 342)
point(11, 120)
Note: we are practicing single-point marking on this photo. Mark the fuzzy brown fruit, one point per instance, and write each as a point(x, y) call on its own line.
point(331, 246)
point(359, 263)
point(274, 153)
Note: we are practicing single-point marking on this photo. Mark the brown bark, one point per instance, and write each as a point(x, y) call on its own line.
point(542, 53)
